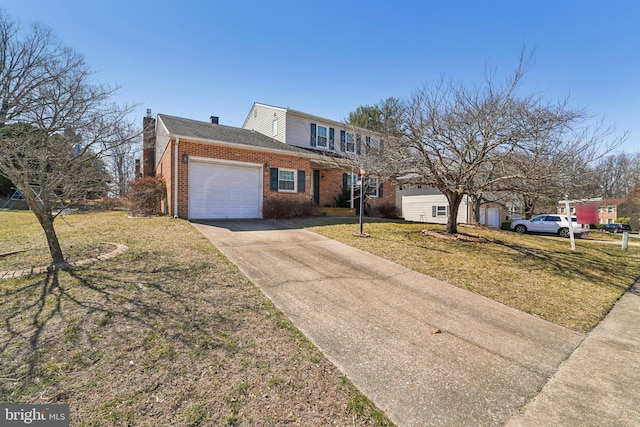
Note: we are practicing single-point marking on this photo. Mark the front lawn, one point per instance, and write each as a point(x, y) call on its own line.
point(535, 274)
point(168, 333)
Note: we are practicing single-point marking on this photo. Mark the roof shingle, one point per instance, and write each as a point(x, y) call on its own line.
point(211, 132)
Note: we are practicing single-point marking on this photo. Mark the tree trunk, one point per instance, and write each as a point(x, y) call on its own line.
point(475, 203)
point(42, 212)
point(57, 258)
point(454, 204)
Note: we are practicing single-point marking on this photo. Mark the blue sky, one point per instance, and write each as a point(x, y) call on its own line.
point(195, 59)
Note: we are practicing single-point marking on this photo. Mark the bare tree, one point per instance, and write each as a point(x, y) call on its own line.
point(54, 122)
point(618, 174)
point(464, 140)
point(121, 148)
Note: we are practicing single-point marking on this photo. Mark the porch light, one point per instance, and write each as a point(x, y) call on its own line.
point(185, 158)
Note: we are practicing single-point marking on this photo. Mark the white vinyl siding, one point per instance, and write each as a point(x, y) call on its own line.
point(294, 128)
point(421, 208)
point(263, 119)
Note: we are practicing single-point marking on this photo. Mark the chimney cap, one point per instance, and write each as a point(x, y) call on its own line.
point(214, 119)
point(148, 112)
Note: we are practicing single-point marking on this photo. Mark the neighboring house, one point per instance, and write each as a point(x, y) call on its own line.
point(214, 171)
point(422, 203)
point(608, 209)
point(332, 139)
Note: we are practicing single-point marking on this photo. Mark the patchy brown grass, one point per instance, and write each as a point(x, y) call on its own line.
point(535, 274)
point(169, 333)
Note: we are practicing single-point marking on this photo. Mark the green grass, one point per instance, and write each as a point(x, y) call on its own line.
point(535, 274)
point(168, 333)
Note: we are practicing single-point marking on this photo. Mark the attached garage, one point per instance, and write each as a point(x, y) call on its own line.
point(219, 189)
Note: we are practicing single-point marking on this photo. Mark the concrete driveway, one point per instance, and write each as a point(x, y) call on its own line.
point(375, 321)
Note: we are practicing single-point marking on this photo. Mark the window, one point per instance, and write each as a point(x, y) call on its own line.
point(286, 180)
point(371, 187)
point(371, 144)
point(351, 179)
point(274, 129)
point(350, 146)
point(322, 136)
point(609, 209)
point(438, 211)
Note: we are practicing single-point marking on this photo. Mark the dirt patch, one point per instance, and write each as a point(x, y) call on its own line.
point(462, 237)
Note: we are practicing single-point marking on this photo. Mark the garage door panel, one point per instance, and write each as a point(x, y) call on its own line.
point(224, 191)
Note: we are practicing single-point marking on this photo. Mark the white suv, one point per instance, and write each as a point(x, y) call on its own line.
point(547, 223)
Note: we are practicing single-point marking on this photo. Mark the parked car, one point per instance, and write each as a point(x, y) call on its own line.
point(614, 227)
point(548, 224)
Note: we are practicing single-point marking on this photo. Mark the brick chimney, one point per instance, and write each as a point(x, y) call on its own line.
point(148, 145)
point(138, 173)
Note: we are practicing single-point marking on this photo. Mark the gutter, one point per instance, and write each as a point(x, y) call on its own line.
point(175, 183)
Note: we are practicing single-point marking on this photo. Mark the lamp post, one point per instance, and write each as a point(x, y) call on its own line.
point(571, 236)
point(362, 173)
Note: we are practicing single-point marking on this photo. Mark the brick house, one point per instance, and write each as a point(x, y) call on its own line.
point(214, 171)
point(329, 138)
point(608, 209)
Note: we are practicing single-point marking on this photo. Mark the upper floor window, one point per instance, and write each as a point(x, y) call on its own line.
point(322, 137)
point(371, 144)
point(350, 146)
point(274, 128)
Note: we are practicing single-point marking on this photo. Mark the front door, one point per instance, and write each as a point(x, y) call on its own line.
point(316, 187)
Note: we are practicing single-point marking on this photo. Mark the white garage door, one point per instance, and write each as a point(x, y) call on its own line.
point(224, 191)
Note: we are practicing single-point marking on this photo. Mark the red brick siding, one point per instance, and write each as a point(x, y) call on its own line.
point(330, 187)
point(164, 169)
point(239, 155)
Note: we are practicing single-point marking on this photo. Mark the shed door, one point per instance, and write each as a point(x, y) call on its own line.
point(224, 191)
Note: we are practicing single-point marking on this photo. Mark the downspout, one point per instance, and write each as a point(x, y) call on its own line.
point(175, 183)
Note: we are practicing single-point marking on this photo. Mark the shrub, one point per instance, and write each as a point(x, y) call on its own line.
point(145, 195)
point(276, 208)
point(387, 210)
point(343, 200)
